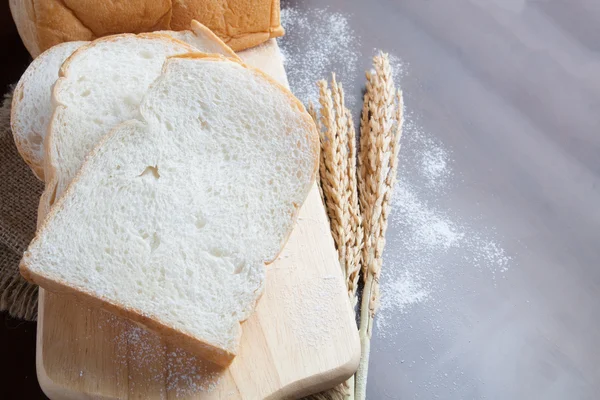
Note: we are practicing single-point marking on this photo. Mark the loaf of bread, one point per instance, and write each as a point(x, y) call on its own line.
point(45, 23)
point(174, 214)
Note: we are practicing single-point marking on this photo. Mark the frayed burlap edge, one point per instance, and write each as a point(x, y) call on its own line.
point(17, 296)
point(19, 191)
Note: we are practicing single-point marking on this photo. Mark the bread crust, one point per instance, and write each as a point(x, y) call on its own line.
point(14, 127)
point(23, 15)
point(199, 30)
point(181, 339)
point(202, 29)
point(45, 23)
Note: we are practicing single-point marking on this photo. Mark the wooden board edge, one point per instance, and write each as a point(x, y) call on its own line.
point(324, 381)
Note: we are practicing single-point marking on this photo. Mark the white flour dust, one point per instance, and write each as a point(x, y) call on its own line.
point(399, 67)
point(429, 229)
point(318, 42)
point(400, 292)
point(188, 374)
point(151, 363)
point(311, 302)
point(434, 165)
point(428, 243)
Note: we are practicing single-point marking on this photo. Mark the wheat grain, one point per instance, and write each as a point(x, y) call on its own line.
point(378, 162)
point(338, 180)
point(339, 139)
point(346, 143)
point(340, 192)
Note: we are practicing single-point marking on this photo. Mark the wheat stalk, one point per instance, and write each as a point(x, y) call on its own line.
point(339, 186)
point(381, 129)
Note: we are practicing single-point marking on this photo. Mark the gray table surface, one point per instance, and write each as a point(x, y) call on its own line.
point(509, 90)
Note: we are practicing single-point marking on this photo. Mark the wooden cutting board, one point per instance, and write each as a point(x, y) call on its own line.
point(301, 339)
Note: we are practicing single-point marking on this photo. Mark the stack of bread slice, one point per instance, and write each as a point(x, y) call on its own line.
point(173, 174)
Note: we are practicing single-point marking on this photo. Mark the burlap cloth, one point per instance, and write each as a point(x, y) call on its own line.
point(19, 194)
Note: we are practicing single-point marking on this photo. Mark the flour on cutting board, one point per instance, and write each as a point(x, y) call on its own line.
point(169, 369)
point(311, 301)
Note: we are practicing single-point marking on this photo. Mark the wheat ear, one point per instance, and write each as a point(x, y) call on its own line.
point(356, 239)
point(332, 168)
point(381, 129)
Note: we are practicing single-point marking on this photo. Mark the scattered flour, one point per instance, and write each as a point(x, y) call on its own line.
point(427, 243)
point(429, 229)
point(318, 42)
point(137, 350)
point(434, 165)
point(310, 300)
point(187, 374)
point(400, 292)
point(400, 67)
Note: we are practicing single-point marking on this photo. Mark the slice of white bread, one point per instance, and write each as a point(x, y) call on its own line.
point(173, 216)
point(32, 109)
